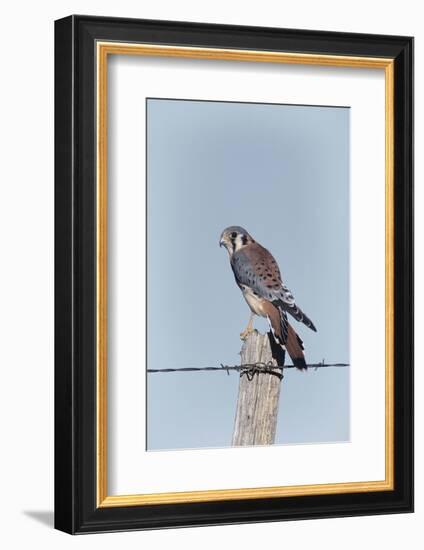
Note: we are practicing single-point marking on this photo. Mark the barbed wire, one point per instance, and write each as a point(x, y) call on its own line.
point(249, 369)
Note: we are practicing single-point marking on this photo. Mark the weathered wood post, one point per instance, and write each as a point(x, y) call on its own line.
point(259, 392)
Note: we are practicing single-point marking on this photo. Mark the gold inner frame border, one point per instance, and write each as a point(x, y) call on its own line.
point(103, 50)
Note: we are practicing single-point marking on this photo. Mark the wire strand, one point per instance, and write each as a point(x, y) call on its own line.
point(257, 367)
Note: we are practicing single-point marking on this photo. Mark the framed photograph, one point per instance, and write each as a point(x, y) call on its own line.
point(209, 177)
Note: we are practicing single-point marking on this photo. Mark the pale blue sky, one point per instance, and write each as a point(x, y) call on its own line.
point(282, 172)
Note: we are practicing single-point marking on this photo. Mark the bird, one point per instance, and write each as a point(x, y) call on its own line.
point(258, 276)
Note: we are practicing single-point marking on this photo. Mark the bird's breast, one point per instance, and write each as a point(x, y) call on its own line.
point(253, 301)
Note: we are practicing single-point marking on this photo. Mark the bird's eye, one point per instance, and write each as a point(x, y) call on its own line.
point(233, 235)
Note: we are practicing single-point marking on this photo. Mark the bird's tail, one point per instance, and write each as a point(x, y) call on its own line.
point(294, 347)
point(295, 312)
point(285, 336)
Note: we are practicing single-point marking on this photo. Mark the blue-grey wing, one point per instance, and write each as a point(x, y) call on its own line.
point(257, 269)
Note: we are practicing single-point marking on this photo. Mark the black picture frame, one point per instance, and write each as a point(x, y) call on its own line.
point(76, 510)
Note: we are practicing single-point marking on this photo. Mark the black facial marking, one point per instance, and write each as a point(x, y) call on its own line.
point(233, 240)
point(244, 239)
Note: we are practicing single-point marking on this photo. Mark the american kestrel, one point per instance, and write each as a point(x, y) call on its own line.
point(258, 276)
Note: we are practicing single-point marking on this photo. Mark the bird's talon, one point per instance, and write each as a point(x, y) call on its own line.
point(245, 334)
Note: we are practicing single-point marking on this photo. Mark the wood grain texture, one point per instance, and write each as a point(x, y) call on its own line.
point(259, 394)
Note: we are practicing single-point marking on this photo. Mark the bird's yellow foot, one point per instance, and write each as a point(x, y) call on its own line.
point(246, 332)
point(249, 329)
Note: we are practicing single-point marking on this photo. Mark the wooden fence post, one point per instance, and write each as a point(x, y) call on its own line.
point(259, 393)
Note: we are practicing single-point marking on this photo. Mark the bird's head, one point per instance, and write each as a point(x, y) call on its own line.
point(234, 238)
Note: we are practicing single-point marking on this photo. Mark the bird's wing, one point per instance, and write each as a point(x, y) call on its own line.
point(255, 267)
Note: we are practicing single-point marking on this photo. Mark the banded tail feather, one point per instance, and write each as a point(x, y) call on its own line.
point(294, 346)
point(285, 336)
point(296, 313)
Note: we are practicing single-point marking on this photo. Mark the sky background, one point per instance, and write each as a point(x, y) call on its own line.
point(282, 172)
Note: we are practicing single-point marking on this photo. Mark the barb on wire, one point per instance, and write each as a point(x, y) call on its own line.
point(249, 368)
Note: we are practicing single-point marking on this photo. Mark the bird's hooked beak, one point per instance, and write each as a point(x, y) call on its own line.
point(223, 241)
